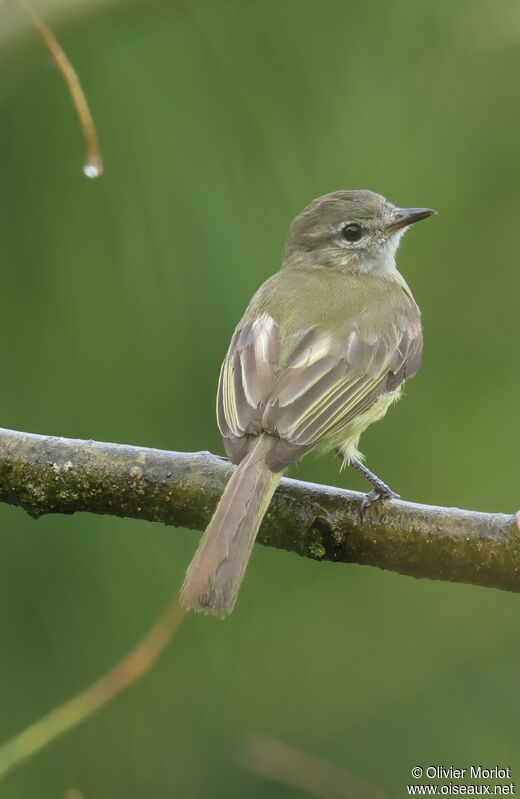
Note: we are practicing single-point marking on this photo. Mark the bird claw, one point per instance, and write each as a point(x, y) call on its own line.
point(384, 492)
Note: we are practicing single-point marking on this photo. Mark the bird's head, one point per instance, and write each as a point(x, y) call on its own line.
point(355, 231)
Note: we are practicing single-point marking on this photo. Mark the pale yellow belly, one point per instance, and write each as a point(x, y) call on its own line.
point(347, 439)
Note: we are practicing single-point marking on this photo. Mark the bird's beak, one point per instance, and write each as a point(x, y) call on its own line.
point(407, 216)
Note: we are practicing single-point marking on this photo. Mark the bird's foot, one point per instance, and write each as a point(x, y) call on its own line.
point(381, 491)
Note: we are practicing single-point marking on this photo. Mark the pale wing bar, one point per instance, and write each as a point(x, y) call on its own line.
point(323, 387)
point(247, 377)
point(309, 404)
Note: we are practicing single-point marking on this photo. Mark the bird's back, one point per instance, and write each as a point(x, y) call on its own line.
point(334, 302)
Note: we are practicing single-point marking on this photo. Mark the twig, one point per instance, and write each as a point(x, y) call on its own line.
point(59, 721)
point(93, 166)
point(57, 475)
point(298, 769)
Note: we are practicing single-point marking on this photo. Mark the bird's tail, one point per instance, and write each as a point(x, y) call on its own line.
point(214, 576)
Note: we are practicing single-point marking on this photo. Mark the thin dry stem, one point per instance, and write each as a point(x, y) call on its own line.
point(290, 766)
point(93, 164)
point(61, 720)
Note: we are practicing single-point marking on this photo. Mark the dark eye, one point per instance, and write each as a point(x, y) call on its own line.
point(352, 232)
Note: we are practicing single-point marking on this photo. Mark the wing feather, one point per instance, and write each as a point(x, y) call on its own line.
point(247, 377)
point(322, 385)
point(308, 405)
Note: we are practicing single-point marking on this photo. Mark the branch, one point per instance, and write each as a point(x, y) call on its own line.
point(295, 768)
point(44, 474)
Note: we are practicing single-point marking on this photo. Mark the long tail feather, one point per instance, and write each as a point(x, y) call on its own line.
point(216, 572)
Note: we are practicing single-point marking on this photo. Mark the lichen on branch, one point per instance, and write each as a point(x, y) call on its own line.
point(45, 474)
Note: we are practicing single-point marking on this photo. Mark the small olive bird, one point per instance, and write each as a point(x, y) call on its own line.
point(321, 352)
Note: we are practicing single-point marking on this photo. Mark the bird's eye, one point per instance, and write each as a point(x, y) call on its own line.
point(352, 232)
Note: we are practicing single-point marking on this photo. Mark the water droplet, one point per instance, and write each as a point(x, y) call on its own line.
point(94, 165)
point(92, 170)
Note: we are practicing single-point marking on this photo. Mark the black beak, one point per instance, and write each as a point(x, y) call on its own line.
point(407, 216)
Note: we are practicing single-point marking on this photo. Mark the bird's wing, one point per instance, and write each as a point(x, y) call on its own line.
point(324, 383)
point(315, 397)
point(247, 377)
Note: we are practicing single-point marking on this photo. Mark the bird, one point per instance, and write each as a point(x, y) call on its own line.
point(321, 352)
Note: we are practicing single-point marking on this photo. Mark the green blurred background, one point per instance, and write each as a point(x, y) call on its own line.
point(218, 122)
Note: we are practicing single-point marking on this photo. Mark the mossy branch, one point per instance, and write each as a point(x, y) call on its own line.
point(44, 474)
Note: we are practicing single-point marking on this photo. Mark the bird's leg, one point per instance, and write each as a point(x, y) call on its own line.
point(380, 490)
point(377, 484)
